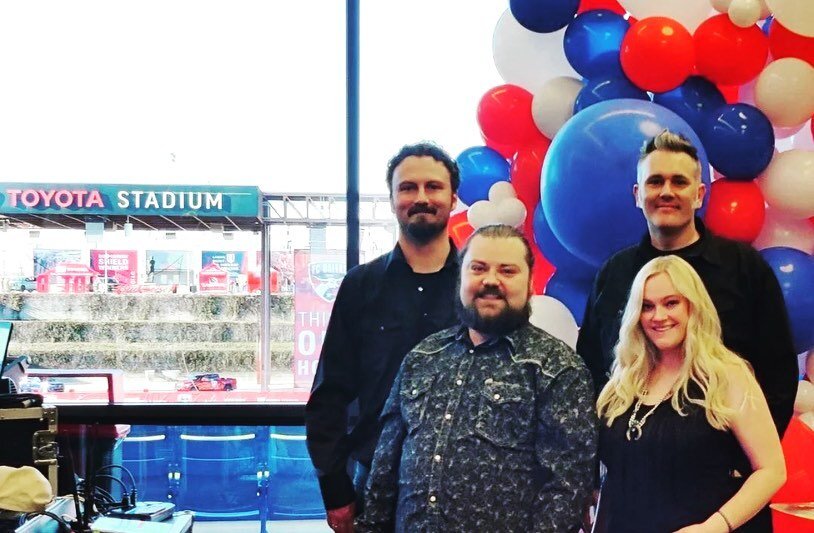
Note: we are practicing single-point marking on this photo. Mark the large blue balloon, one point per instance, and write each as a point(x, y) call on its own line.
point(544, 16)
point(739, 140)
point(596, 91)
point(590, 170)
point(592, 43)
point(694, 100)
point(794, 270)
point(571, 292)
point(480, 167)
point(567, 264)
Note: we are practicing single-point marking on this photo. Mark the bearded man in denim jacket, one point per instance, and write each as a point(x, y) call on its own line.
point(490, 425)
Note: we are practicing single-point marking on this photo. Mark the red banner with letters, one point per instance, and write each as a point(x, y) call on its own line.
point(316, 281)
point(119, 264)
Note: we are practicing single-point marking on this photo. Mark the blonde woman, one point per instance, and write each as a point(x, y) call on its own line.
point(678, 415)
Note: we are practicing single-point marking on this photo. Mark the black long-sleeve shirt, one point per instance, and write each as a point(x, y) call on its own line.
point(381, 311)
point(745, 293)
point(498, 437)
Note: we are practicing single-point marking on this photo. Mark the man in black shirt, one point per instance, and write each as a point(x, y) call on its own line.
point(383, 308)
point(742, 285)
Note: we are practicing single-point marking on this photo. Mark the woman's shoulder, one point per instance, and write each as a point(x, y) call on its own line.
point(740, 384)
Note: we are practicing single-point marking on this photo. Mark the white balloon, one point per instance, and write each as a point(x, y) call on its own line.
point(744, 13)
point(804, 402)
point(553, 316)
point(779, 230)
point(795, 15)
point(689, 13)
point(788, 183)
point(526, 58)
point(808, 419)
point(764, 10)
point(500, 191)
point(785, 91)
point(480, 214)
point(721, 6)
point(510, 211)
point(553, 104)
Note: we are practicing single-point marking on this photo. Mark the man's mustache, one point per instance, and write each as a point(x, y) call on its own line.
point(421, 208)
point(490, 291)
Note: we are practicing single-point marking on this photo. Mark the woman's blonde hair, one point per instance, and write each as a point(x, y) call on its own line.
point(707, 362)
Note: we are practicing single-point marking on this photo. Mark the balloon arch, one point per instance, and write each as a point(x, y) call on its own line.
point(586, 82)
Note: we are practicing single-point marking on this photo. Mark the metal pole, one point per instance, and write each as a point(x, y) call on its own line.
point(352, 54)
point(265, 315)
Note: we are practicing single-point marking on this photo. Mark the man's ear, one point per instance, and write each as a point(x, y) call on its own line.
point(454, 202)
point(699, 200)
point(636, 195)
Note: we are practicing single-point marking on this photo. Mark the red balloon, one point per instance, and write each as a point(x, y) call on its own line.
point(525, 176)
point(459, 229)
point(506, 150)
point(730, 92)
point(736, 209)
point(727, 54)
point(657, 54)
point(611, 5)
point(785, 43)
point(504, 116)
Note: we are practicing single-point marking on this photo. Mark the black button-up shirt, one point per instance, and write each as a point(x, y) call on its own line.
point(498, 437)
point(745, 293)
point(381, 311)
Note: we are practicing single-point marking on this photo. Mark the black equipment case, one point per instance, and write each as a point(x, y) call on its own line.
point(29, 439)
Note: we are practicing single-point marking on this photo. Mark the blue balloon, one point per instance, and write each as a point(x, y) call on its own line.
point(739, 140)
point(567, 264)
point(571, 292)
point(596, 91)
point(480, 167)
point(590, 170)
point(794, 270)
point(694, 100)
point(592, 43)
point(544, 16)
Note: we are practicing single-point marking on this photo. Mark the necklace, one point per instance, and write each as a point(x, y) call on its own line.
point(634, 426)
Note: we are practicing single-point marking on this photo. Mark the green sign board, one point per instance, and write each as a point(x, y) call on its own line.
point(109, 199)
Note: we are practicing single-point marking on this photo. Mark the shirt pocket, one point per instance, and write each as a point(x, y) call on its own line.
point(414, 395)
point(505, 416)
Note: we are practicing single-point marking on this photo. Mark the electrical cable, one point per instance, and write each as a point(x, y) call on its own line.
point(128, 472)
point(63, 525)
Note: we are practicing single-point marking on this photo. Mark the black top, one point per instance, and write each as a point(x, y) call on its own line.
point(678, 473)
point(381, 311)
point(745, 293)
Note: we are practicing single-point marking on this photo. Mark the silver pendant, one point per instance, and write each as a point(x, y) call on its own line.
point(634, 432)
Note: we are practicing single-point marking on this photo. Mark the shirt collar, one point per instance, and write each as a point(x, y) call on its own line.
point(513, 338)
point(396, 257)
point(702, 248)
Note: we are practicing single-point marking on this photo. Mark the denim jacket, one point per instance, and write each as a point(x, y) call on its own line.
point(498, 437)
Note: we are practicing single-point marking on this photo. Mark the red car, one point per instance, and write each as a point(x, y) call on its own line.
point(207, 382)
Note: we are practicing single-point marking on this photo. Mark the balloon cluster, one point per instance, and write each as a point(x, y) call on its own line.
point(588, 81)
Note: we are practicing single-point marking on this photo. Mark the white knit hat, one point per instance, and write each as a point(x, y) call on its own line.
point(24, 489)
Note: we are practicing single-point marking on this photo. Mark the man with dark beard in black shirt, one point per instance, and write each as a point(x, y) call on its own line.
point(383, 308)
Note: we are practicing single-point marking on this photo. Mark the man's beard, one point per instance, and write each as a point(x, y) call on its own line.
point(506, 321)
point(422, 231)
